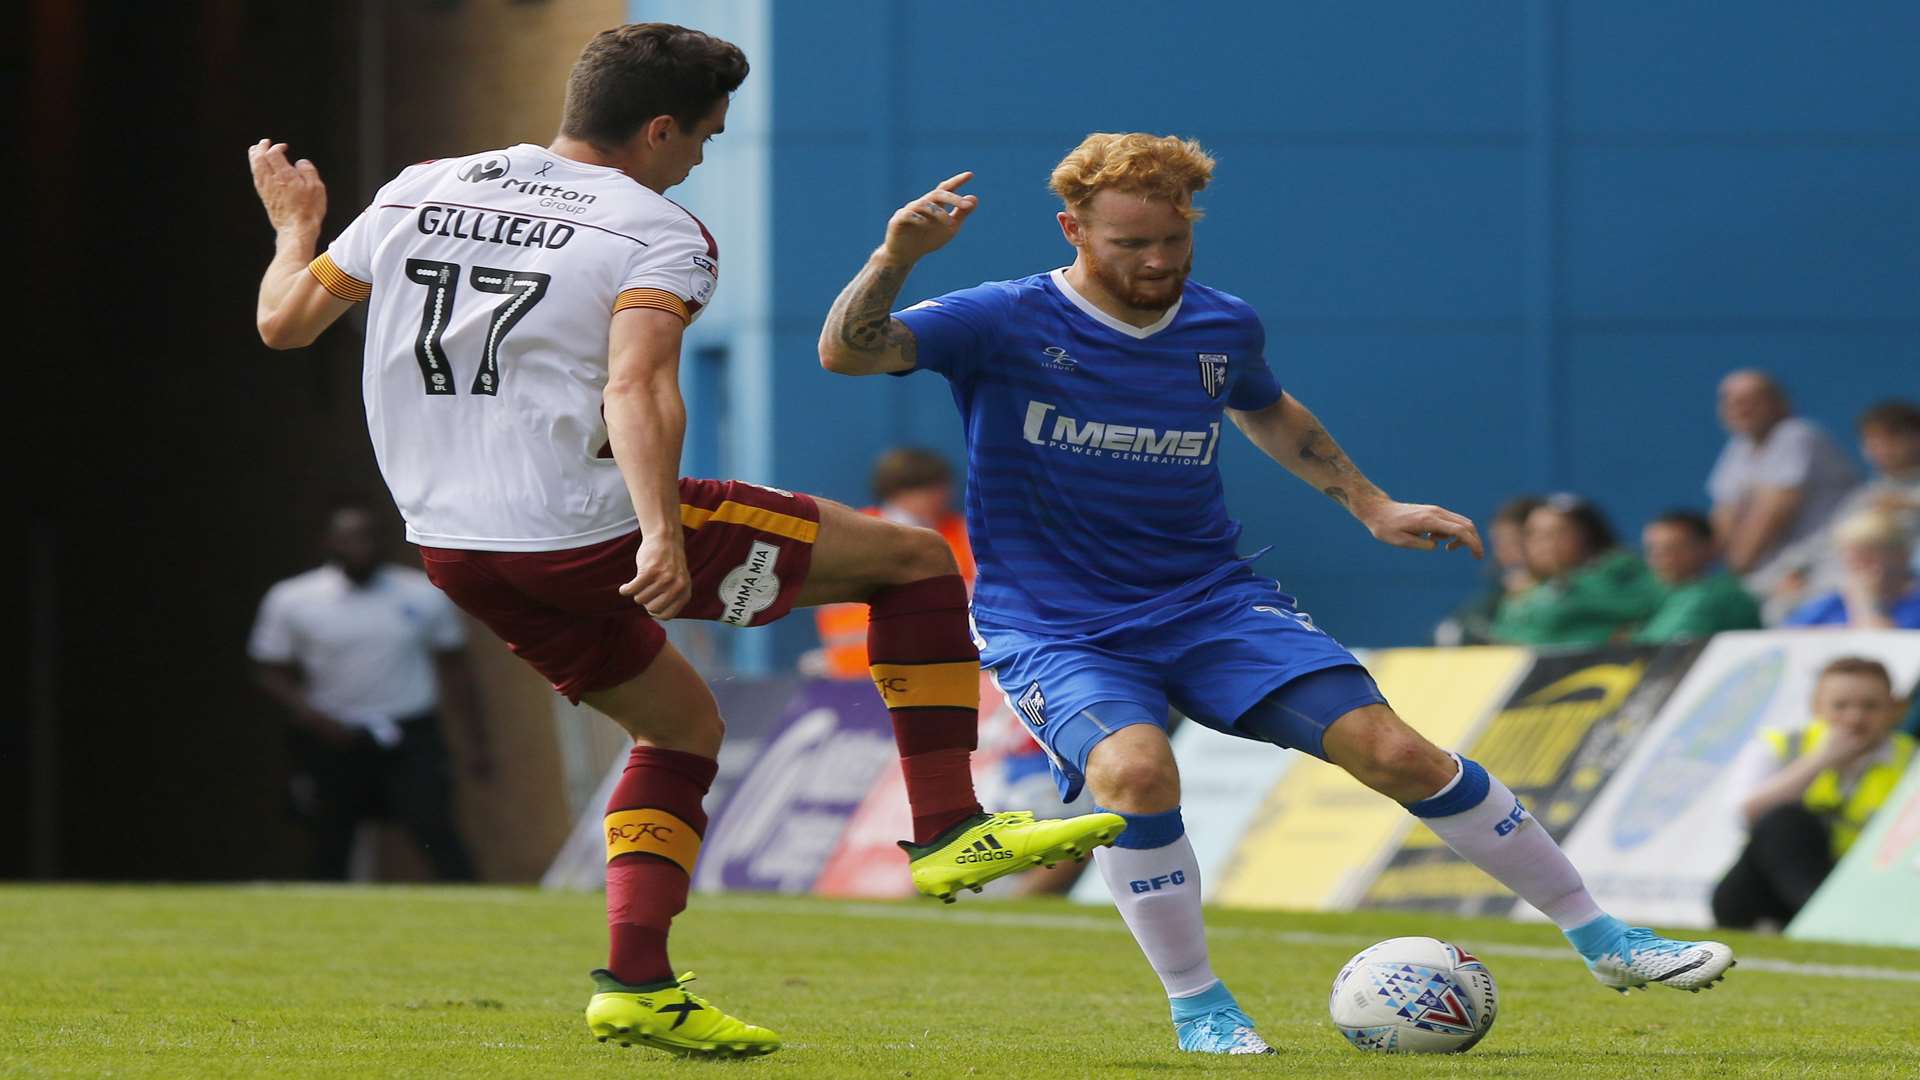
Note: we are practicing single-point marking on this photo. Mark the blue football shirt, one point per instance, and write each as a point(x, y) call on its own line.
point(1093, 483)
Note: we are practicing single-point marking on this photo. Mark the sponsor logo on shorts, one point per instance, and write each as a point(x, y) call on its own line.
point(1300, 617)
point(1033, 705)
point(751, 587)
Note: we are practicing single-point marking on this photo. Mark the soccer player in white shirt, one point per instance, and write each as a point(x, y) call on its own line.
point(523, 341)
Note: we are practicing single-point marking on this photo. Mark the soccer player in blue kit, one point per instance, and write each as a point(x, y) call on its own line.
point(1110, 583)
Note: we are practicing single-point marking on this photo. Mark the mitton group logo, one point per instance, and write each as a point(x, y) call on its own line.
point(479, 172)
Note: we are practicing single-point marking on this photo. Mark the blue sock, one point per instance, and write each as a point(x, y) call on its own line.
point(1595, 938)
point(1197, 1005)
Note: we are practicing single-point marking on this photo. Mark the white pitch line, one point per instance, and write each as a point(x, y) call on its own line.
point(1044, 921)
point(773, 905)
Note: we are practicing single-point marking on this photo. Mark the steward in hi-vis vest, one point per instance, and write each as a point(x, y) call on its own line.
point(1805, 794)
point(1845, 805)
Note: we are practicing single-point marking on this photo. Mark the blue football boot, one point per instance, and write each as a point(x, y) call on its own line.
point(1624, 957)
point(1211, 1022)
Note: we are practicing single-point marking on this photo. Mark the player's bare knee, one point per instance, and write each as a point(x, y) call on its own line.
point(1135, 782)
point(924, 554)
point(1407, 767)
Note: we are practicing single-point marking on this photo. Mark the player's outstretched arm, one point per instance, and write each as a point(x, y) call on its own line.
point(861, 336)
point(646, 427)
point(1290, 434)
point(294, 307)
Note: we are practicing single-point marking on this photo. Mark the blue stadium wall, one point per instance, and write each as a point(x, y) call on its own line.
point(1498, 246)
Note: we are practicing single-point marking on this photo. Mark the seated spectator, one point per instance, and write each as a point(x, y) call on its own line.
point(1590, 591)
point(1879, 590)
point(1472, 622)
point(1890, 441)
point(1778, 480)
point(911, 486)
point(1698, 600)
point(1804, 796)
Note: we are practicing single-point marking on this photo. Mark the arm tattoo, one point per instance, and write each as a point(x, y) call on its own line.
point(863, 313)
point(1318, 451)
point(1319, 448)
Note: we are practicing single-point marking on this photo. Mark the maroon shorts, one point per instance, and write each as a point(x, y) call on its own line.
point(748, 548)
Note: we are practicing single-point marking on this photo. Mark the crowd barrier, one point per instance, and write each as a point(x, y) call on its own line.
point(1620, 752)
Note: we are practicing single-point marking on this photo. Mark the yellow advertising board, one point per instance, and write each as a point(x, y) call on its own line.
point(1320, 836)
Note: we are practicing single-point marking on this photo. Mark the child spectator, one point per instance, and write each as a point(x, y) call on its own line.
point(1879, 590)
point(1806, 795)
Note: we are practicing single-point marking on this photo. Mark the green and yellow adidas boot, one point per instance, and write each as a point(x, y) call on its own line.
point(989, 846)
point(666, 1017)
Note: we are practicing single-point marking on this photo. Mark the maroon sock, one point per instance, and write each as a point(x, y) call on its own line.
point(653, 822)
point(927, 669)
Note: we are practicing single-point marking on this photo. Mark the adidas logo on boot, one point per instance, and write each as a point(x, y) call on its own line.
point(985, 849)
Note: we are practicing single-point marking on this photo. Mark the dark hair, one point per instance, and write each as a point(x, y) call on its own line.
point(1693, 521)
point(907, 467)
point(1858, 665)
point(1596, 533)
point(1515, 510)
point(1892, 415)
point(628, 75)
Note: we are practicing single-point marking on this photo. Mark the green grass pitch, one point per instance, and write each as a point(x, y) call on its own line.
point(490, 982)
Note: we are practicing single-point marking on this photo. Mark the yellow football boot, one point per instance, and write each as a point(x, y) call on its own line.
point(668, 1018)
point(989, 846)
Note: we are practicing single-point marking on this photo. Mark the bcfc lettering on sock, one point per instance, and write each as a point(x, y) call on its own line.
point(1513, 820)
point(652, 832)
point(1154, 884)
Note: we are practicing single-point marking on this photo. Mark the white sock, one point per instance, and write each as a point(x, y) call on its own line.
point(1158, 893)
point(1484, 824)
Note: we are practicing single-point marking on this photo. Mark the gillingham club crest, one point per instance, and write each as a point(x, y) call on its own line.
point(1033, 706)
point(1213, 373)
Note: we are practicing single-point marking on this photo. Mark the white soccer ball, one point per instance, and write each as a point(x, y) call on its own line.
point(1414, 995)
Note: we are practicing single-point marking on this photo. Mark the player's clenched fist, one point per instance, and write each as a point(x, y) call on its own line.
point(924, 225)
point(661, 582)
point(292, 192)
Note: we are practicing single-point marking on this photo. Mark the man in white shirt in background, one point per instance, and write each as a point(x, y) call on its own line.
point(365, 656)
point(1778, 480)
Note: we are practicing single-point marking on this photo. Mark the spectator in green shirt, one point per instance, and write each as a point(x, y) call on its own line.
point(1698, 600)
point(1590, 591)
point(1472, 622)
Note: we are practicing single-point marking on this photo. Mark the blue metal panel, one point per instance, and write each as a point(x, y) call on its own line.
point(1499, 246)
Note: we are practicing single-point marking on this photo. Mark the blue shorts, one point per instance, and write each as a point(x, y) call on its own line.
point(1236, 658)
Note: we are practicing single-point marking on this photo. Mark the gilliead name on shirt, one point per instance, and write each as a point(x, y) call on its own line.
point(490, 227)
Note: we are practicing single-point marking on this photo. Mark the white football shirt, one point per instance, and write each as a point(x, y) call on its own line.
point(366, 651)
point(493, 281)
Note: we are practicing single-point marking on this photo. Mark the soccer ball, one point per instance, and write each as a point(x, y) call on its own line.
point(1414, 995)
